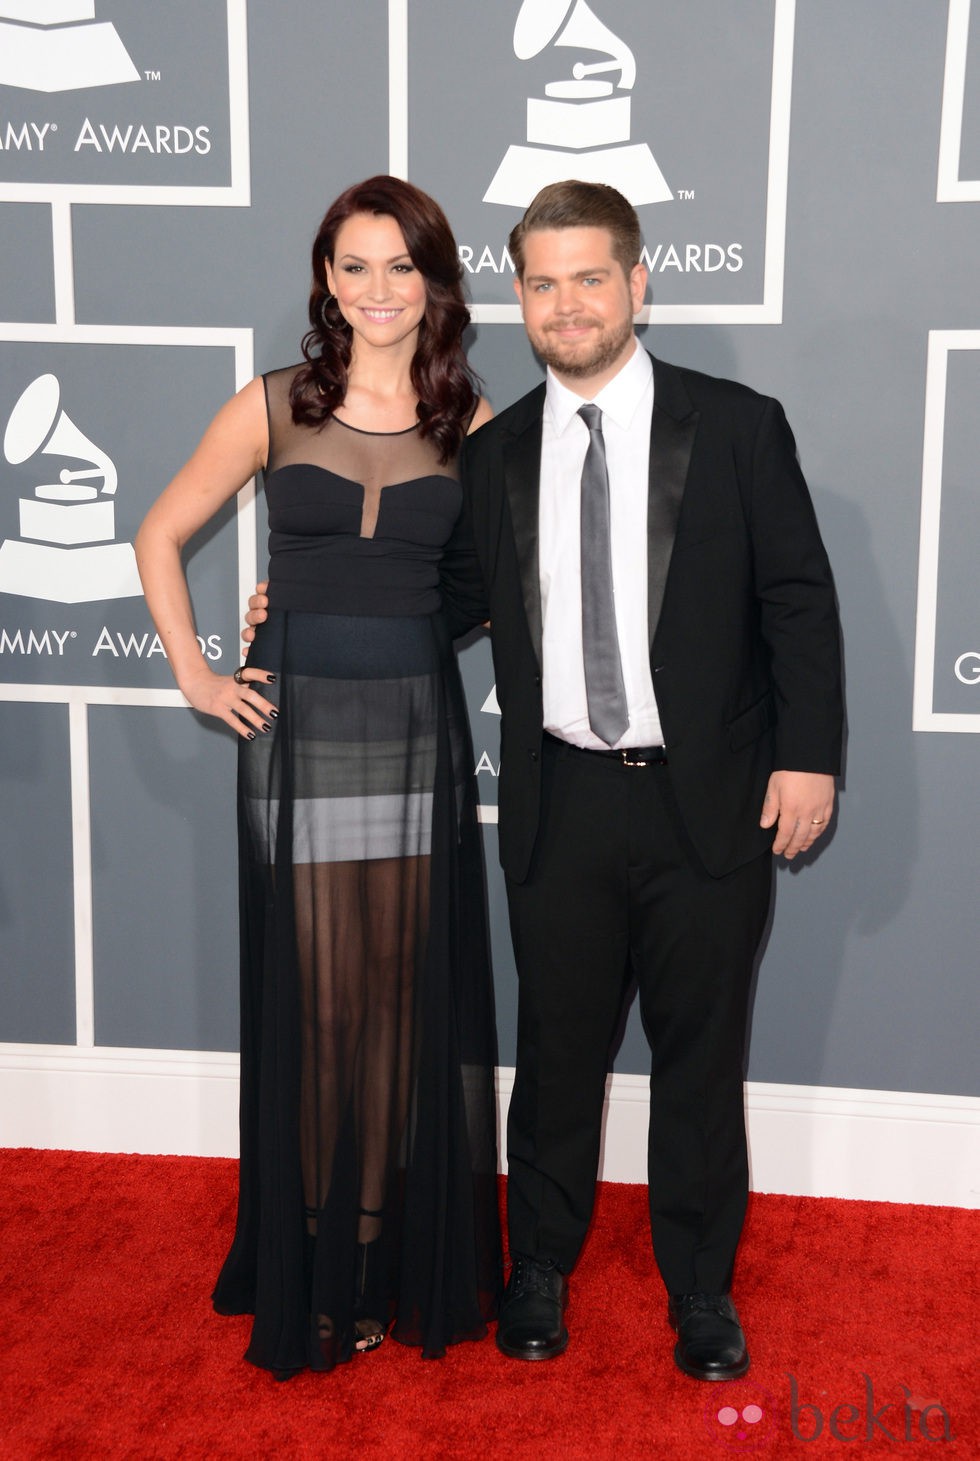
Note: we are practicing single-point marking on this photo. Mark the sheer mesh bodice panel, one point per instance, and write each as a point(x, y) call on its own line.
point(357, 519)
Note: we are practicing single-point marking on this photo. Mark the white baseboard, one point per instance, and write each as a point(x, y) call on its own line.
point(810, 1141)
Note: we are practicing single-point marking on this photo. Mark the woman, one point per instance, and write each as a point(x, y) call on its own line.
point(368, 1165)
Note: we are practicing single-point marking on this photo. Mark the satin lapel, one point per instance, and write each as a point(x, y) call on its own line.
point(522, 479)
point(672, 431)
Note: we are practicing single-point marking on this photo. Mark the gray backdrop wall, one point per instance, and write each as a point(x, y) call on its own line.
point(807, 178)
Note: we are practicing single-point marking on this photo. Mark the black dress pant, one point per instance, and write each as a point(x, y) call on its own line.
point(615, 890)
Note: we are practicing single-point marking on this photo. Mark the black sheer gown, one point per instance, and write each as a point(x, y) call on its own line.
point(368, 1154)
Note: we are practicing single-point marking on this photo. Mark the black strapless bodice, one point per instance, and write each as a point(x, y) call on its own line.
point(319, 562)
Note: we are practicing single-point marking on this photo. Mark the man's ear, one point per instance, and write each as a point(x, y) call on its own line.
point(519, 291)
point(639, 275)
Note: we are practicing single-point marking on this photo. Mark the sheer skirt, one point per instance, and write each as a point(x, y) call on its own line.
point(368, 1167)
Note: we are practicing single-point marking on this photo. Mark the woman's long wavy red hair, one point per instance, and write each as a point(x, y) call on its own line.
point(442, 380)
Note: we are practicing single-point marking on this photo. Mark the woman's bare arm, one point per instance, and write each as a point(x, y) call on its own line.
point(232, 450)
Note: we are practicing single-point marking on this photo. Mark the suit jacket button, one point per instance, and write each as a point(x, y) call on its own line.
point(533, 755)
point(537, 679)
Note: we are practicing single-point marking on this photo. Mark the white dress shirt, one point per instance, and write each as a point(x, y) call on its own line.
point(626, 403)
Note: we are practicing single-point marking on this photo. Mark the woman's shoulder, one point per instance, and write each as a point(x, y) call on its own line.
point(278, 387)
point(281, 379)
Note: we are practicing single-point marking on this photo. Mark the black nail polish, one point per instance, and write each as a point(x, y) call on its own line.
point(271, 680)
point(273, 715)
point(250, 736)
point(266, 726)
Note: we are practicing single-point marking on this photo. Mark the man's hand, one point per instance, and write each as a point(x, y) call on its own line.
point(801, 802)
point(258, 610)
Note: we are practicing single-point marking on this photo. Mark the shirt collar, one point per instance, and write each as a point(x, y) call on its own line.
point(619, 398)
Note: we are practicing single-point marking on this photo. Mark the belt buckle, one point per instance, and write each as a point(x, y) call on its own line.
point(630, 758)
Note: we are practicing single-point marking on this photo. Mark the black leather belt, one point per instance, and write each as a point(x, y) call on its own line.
point(626, 755)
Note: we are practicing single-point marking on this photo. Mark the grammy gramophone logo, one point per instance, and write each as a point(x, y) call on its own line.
point(58, 45)
point(67, 550)
point(580, 128)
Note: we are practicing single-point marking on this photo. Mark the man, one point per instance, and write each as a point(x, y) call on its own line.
point(669, 683)
point(666, 646)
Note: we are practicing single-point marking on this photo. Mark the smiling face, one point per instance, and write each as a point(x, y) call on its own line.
point(380, 292)
point(578, 304)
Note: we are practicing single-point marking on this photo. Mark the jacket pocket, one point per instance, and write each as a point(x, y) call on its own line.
point(752, 723)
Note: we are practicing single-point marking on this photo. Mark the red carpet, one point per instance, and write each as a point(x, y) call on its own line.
point(861, 1317)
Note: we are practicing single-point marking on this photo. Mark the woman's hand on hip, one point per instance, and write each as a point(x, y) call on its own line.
point(235, 699)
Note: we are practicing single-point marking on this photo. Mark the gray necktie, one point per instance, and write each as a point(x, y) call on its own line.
point(604, 687)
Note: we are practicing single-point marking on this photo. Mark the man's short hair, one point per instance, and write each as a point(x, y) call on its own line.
point(574, 204)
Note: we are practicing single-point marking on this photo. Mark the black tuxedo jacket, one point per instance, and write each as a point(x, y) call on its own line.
point(743, 626)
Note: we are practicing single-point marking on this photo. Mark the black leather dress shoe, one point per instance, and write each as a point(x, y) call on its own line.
point(710, 1341)
point(532, 1325)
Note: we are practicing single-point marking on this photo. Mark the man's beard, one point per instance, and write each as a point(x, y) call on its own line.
point(565, 360)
